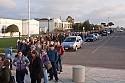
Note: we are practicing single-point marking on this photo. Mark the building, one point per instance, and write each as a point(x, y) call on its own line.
point(52, 24)
point(4, 23)
point(22, 25)
point(46, 24)
point(34, 27)
point(66, 26)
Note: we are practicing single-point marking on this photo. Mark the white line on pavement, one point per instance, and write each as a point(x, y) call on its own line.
point(101, 46)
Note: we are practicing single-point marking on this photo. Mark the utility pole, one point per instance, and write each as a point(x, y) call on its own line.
point(108, 22)
point(28, 18)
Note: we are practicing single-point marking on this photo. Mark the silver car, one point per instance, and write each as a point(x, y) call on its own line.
point(72, 43)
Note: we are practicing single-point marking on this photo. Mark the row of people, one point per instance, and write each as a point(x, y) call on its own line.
point(54, 52)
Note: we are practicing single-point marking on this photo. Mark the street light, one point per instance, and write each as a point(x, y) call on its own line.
point(48, 24)
point(83, 29)
point(62, 27)
point(108, 23)
point(4, 27)
point(28, 18)
point(93, 29)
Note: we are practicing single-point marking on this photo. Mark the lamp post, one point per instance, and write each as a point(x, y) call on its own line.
point(83, 28)
point(28, 18)
point(93, 29)
point(48, 24)
point(108, 23)
point(62, 27)
point(4, 30)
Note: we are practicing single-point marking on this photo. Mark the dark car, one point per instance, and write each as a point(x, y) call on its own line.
point(91, 37)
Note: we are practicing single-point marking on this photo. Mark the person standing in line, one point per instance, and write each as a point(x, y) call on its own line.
point(44, 46)
point(35, 68)
point(8, 55)
point(20, 62)
point(29, 55)
point(45, 59)
point(5, 72)
point(38, 46)
point(53, 57)
point(24, 48)
point(2, 57)
point(60, 50)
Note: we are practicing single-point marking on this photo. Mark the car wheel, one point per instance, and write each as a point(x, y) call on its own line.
point(76, 48)
point(81, 46)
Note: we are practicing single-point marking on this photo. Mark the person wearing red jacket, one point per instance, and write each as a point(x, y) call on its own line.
point(60, 50)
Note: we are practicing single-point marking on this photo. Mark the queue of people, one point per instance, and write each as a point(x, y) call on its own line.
point(34, 55)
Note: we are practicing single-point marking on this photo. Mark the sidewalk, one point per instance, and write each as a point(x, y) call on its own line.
point(93, 75)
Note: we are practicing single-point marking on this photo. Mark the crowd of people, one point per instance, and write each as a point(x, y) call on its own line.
point(33, 56)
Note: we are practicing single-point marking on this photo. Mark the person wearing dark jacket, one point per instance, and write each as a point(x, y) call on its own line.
point(5, 72)
point(53, 57)
point(35, 68)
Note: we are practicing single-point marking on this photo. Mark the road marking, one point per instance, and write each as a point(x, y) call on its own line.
point(101, 46)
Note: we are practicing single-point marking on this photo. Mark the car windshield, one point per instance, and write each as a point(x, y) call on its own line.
point(90, 35)
point(71, 39)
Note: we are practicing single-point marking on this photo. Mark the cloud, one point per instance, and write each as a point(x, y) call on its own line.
point(7, 4)
point(98, 15)
point(96, 10)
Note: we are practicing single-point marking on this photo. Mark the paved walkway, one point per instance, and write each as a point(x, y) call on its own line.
point(93, 75)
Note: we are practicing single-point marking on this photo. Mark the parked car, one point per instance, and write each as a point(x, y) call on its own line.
point(119, 30)
point(108, 32)
point(91, 37)
point(72, 43)
point(104, 33)
point(97, 36)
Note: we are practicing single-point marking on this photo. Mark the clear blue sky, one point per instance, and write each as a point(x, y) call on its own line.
point(96, 11)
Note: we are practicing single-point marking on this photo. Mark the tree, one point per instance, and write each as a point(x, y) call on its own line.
point(12, 29)
point(110, 23)
point(87, 25)
point(104, 24)
point(78, 27)
point(70, 19)
point(98, 27)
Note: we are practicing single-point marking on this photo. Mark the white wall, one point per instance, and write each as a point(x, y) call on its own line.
point(53, 23)
point(34, 27)
point(7, 22)
point(44, 23)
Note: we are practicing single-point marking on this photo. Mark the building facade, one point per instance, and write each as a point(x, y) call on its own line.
point(32, 29)
point(52, 24)
point(36, 26)
point(4, 23)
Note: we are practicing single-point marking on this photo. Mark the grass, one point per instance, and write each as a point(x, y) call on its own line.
point(6, 42)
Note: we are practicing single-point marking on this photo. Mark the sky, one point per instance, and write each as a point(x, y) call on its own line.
point(96, 11)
